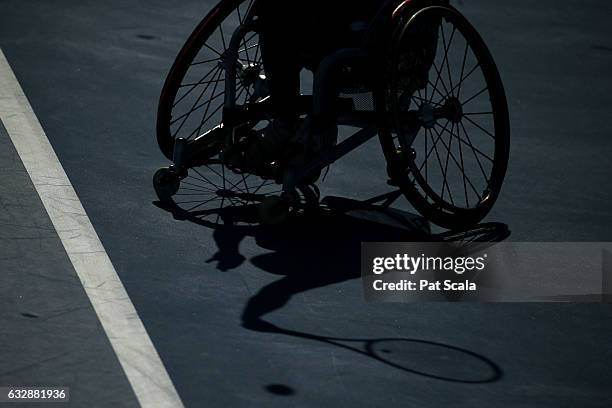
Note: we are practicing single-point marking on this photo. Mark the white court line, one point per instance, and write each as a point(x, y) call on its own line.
point(128, 337)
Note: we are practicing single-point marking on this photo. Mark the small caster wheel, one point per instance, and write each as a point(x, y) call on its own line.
point(166, 183)
point(274, 210)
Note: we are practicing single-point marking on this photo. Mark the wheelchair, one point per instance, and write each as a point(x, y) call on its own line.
point(419, 77)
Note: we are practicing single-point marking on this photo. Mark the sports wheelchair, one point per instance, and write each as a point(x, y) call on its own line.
point(432, 93)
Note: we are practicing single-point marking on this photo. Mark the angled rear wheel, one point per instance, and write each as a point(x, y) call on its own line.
point(192, 99)
point(447, 136)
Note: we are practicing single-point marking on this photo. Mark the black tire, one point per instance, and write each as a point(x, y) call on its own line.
point(191, 103)
point(402, 143)
point(166, 183)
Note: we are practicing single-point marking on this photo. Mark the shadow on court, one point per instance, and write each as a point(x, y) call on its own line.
point(322, 248)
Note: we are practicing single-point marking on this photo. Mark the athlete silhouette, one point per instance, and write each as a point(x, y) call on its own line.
point(297, 34)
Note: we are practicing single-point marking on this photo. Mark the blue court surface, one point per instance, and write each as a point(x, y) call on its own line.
point(176, 313)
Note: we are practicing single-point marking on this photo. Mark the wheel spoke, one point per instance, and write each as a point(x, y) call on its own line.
point(225, 180)
point(439, 93)
point(474, 151)
point(213, 71)
point(193, 201)
point(245, 87)
point(207, 103)
point(246, 52)
point(448, 153)
point(466, 178)
point(206, 178)
point(467, 201)
point(197, 131)
point(213, 50)
point(463, 79)
point(420, 96)
point(214, 112)
point(477, 113)
point(486, 88)
point(439, 80)
point(200, 188)
point(426, 161)
point(263, 184)
point(201, 83)
point(481, 128)
point(246, 49)
point(465, 53)
point(222, 37)
point(257, 52)
point(425, 100)
point(202, 191)
point(470, 145)
point(250, 5)
point(444, 180)
point(431, 149)
point(185, 116)
point(193, 194)
point(246, 41)
point(240, 18)
point(239, 15)
point(205, 61)
point(246, 186)
point(439, 71)
point(447, 48)
point(203, 203)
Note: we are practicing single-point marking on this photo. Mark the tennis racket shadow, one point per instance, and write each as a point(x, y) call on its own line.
point(314, 252)
point(320, 249)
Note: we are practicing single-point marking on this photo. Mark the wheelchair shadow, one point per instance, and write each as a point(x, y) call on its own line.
point(322, 249)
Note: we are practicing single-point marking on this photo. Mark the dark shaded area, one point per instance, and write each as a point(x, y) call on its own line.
point(322, 248)
point(279, 389)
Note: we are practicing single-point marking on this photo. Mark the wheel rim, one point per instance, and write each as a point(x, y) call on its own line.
point(193, 96)
point(458, 157)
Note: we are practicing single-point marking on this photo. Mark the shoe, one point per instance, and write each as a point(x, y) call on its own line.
point(315, 139)
point(277, 144)
point(266, 149)
point(275, 138)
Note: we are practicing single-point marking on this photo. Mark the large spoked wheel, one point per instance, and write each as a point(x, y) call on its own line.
point(445, 132)
point(192, 99)
point(191, 107)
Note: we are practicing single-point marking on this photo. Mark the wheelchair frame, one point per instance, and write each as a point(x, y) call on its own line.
point(233, 116)
point(186, 154)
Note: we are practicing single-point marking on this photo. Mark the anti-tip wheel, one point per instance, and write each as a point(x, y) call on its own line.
point(166, 183)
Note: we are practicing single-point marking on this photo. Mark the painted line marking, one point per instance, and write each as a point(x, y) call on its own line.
point(126, 332)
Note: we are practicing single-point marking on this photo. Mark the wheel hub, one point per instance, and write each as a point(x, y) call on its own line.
point(428, 115)
point(249, 73)
point(453, 110)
